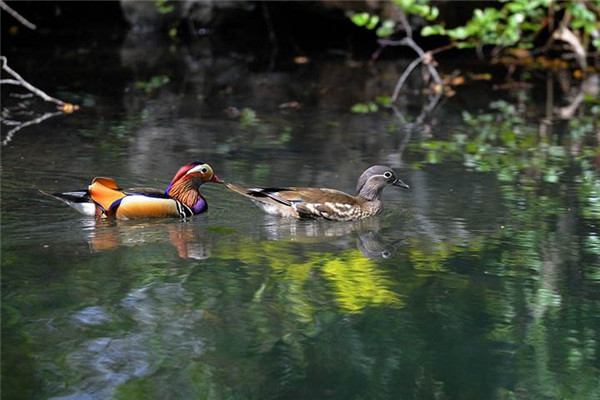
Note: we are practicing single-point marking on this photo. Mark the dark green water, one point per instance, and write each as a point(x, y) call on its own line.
point(480, 282)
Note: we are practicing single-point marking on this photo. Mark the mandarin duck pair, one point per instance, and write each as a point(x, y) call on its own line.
point(182, 199)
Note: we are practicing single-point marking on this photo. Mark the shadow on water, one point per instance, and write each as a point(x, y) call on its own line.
point(481, 282)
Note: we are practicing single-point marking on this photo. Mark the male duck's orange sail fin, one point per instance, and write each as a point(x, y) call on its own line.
point(108, 182)
point(104, 195)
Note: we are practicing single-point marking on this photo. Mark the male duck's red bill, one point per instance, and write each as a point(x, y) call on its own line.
point(104, 198)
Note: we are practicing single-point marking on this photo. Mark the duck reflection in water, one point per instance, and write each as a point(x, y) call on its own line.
point(189, 241)
point(366, 234)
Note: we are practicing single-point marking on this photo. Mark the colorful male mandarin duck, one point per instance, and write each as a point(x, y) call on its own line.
point(306, 202)
point(103, 198)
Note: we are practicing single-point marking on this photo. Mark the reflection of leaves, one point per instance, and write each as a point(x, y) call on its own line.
point(356, 280)
point(248, 117)
point(262, 311)
point(505, 143)
point(364, 108)
point(589, 197)
point(153, 84)
point(163, 6)
point(359, 284)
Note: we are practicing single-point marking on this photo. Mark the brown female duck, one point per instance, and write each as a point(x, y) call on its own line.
point(307, 202)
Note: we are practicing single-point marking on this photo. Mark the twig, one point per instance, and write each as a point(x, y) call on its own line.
point(272, 35)
point(406, 25)
point(424, 57)
point(404, 77)
point(441, 49)
point(429, 107)
point(26, 84)
point(18, 16)
point(65, 107)
point(9, 82)
point(566, 35)
point(20, 126)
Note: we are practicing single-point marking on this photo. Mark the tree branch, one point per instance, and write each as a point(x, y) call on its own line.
point(17, 16)
point(9, 82)
point(424, 57)
point(18, 125)
point(26, 84)
point(63, 106)
point(403, 78)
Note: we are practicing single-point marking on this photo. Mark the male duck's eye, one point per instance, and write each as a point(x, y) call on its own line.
point(204, 170)
point(388, 175)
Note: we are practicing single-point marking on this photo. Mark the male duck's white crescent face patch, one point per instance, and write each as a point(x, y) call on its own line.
point(203, 169)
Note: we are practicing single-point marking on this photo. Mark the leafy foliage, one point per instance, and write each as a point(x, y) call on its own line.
point(155, 83)
point(164, 6)
point(515, 24)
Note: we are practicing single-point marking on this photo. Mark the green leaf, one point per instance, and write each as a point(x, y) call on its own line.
point(404, 4)
point(433, 30)
point(154, 83)
point(433, 157)
point(364, 108)
point(551, 176)
point(373, 21)
point(385, 101)
point(163, 7)
point(387, 28)
point(458, 33)
point(588, 98)
point(360, 108)
point(515, 7)
point(435, 12)
point(360, 19)
point(248, 116)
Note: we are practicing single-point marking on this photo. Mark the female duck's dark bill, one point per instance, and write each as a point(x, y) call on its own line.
point(401, 184)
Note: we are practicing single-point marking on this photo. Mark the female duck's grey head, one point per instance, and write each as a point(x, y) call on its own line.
point(374, 179)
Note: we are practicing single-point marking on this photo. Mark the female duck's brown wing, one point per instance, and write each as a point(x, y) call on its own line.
point(292, 195)
point(323, 203)
point(303, 202)
point(315, 195)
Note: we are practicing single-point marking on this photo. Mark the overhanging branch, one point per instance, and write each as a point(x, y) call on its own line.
point(17, 16)
point(63, 106)
point(424, 57)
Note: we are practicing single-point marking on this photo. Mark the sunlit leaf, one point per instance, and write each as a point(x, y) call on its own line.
point(386, 29)
point(373, 21)
point(360, 19)
point(429, 30)
point(364, 108)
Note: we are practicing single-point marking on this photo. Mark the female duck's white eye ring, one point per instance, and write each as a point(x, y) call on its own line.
point(387, 174)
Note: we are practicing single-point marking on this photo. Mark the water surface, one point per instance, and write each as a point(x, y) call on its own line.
point(480, 282)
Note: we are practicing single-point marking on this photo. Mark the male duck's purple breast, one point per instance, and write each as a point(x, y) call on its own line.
point(200, 206)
